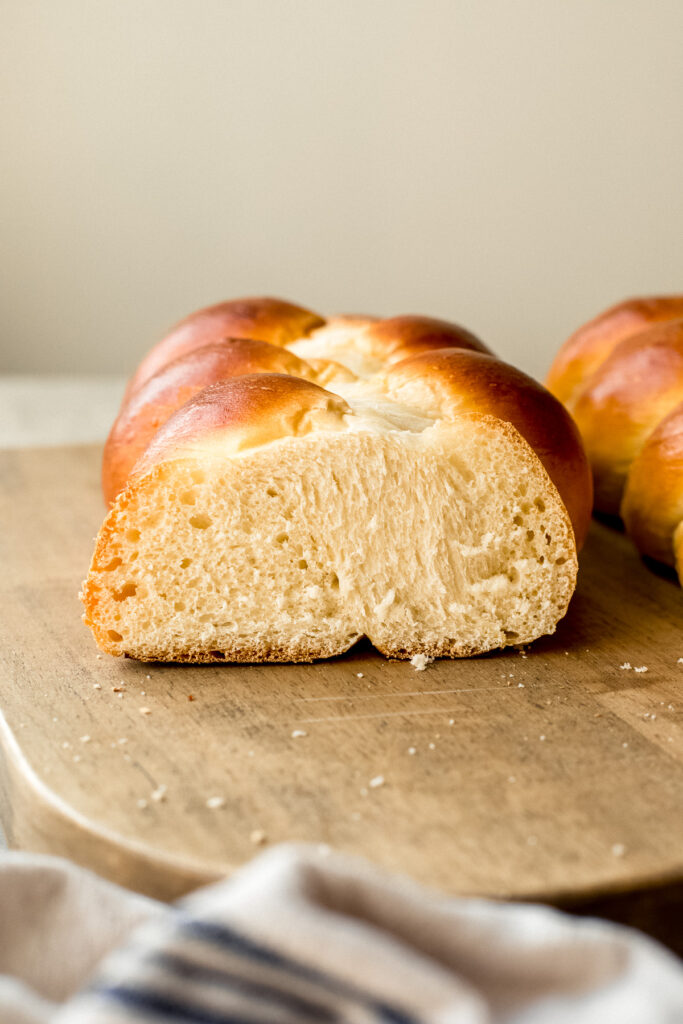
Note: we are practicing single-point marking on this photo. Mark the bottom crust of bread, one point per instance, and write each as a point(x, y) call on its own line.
point(447, 542)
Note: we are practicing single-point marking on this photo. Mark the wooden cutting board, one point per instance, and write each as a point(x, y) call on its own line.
point(554, 775)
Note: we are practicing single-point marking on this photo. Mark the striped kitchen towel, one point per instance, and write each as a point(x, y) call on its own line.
point(303, 935)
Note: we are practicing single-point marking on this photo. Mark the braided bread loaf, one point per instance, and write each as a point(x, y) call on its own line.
point(282, 485)
point(621, 377)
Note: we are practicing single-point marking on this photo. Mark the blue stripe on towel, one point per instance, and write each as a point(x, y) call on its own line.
point(226, 938)
point(189, 970)
point(153, 1004)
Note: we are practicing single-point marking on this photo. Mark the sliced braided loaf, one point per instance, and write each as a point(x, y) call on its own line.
point(621, 376)
point(283, 485)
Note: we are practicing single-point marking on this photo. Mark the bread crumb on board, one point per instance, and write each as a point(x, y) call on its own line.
point(145, 711)
point(420, 662)
point(618, 850)
point(377, 781)
point(159, 794)
point(297, 734)
point(214, 803)
point(258, 837)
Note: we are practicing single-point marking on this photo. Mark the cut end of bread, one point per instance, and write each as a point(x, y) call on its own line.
point(444, 539)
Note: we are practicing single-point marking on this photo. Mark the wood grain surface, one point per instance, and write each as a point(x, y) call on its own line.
point(555, 774)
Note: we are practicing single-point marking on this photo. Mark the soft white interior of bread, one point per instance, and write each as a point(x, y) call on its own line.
point(340, 343)
point(375, 409)
point(446, 538)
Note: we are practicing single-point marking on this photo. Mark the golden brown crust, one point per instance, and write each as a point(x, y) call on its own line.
point(593, 343)
point(400, 337)
point(242, 413)
point(147, 408)
point(347, 322)
point(652, 506)
point(260, 319)
point(621, 375)
point(389, 342)
point(152, 396)
point(678, 551)
point(465, 381)
point(624, 400)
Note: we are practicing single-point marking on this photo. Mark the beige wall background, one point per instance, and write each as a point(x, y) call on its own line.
point(514, 165)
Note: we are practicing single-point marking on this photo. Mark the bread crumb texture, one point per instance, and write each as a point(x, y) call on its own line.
point(430, 537)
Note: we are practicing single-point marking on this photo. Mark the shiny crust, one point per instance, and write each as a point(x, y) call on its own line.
point(621, 376)
point(639, 384)
point(454, 382)
point(591, 345)
point(399, 337)
point(652, 507)
point(348, 323)
point(146, 409)
point(260, 319)
point(245, 412)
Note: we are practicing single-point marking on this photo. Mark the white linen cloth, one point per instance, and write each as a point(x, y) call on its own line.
point(303, 935)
